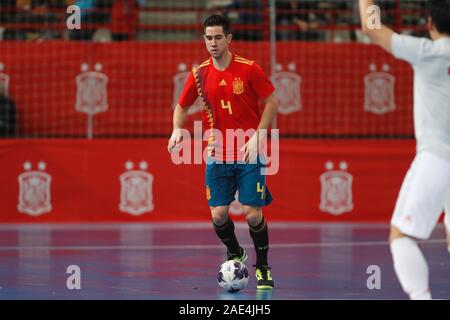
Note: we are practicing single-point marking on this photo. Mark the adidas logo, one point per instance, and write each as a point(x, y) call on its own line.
point(222, 83)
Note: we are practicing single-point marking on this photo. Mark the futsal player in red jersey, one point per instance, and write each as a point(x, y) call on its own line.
point(231, 88)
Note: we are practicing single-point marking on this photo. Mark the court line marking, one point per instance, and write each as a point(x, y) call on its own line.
point(189, 225)
point(208, 247)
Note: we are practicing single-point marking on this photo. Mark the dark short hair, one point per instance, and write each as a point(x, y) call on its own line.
point(217, 20)
point(439, 11)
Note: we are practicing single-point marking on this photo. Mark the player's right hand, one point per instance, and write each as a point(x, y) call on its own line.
point(174, 140)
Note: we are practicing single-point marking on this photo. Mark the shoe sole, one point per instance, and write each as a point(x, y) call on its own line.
point(264, 287)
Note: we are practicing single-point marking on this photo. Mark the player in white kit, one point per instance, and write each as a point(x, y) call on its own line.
point(425, 191)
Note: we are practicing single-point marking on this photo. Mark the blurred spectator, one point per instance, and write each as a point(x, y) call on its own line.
point(41, 13)
point(102, 35)
point(221, 7)
point(249, 15)
point(124, 19)
point(102, 14)
point(87, 19)
point(24, 5)
point(217, 6)
point(421, 28)
point(356, 34)
point(29, 12)
point(86, 7)
point(7, 3)
point(284, 18)
point(13, 11)
point(303, 15)
point(419, 20)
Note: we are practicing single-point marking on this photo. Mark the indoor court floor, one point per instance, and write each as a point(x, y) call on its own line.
point(179, 261)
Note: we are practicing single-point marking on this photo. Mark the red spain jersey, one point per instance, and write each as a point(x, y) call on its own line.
point(232, 95)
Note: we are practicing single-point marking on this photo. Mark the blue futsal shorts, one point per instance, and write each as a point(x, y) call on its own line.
point(224, 179)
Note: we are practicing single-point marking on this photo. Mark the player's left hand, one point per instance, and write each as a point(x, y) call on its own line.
point(251, 149)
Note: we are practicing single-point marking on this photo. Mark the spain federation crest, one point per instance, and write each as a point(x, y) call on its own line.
point(236, 206)
point(238, 86)
point(288, 88)
point(379, 90)
point(179, 81)
point(34, 190)
point(336, 189)
point(4, 82)
point(136, 196)
point(92, 94)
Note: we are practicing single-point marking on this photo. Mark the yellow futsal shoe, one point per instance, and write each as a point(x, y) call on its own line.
point(241, 258)
point(264, 278)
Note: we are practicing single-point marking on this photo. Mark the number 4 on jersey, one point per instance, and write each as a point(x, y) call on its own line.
point(226, 106)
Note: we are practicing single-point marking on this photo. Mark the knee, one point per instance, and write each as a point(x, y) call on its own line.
point(219, 215)
point(395, 234)
point(253, 215)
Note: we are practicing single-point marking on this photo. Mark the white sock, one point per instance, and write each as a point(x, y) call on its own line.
point(448, 248)
point(411, 268)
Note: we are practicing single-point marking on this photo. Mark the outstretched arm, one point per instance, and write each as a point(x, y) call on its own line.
point(381, 36)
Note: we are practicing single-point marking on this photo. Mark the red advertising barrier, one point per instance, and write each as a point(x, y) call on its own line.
point(135, 180)
point(324, 89)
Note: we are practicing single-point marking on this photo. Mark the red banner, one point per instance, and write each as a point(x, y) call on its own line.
point(135, 180)
point(324, 89)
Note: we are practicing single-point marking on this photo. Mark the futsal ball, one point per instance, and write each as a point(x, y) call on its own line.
point(232, 276)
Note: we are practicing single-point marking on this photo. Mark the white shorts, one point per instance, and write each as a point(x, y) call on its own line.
point(424, 194)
